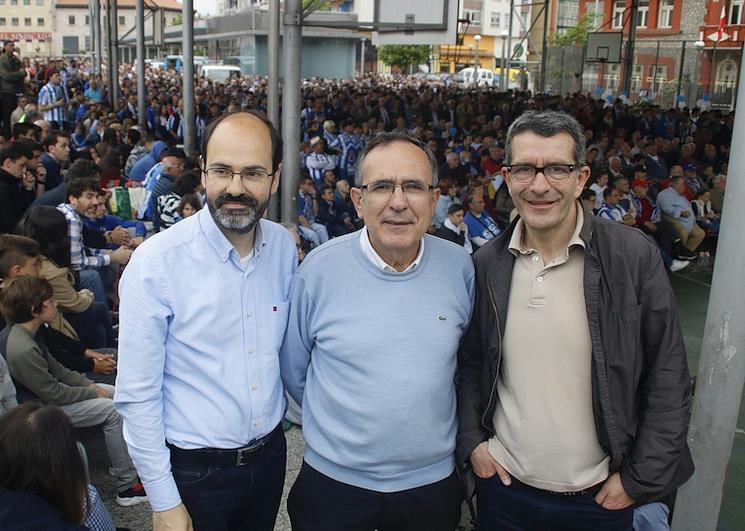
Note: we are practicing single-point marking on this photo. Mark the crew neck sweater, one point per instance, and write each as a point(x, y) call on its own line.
point(371, 355)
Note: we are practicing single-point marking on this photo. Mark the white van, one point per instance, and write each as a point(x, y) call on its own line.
point(221, 73)
point(482, 78)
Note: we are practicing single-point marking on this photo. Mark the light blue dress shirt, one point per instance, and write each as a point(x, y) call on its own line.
point(199, 335)
point(673, 204)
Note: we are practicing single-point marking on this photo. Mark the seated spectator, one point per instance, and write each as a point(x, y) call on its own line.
point(719, 183)
point(16, 194)
point(27, 303)
point(90, 264)
point(108, 223)
point(167, 205)
point(79, 168)
point(19, 256)
point(345, 205)
point(142, 166)
point(481, 226)
point(190, 204)
point(588, 198)
point(43, 485)
point(694, 183)
point(57, 150)
point(328, 214)
point(172, 161)
point(503, 204)
point(307, 204)
point(139, 151)
point(624, 196)
point(448, 197)
point(678, 210)
point(454, 170)
point(611, 208)
point(598, 186)
point(91, 320)
point(705, 215)
point(455, 229)
point(318, 161)
point(8, 398)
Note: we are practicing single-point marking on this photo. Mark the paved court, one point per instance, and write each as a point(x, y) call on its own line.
point(692, 289)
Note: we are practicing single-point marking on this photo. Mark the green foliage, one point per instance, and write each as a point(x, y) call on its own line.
point(177, 20)
point(576, 36)
point(315, 5)
point(404, 55)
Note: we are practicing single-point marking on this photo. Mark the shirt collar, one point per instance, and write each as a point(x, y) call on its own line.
point(375, 258)
point(220, 242)
point(516, 241)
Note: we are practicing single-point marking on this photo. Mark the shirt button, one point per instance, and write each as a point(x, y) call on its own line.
point(254, 387)
point(535, 257)
point(540, 280)
point(249, 315)
point(250, 351)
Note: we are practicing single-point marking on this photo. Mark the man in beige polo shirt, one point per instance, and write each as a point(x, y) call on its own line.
point(574, 390)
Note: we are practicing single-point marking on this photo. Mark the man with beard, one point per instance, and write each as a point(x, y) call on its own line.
point(202, 315)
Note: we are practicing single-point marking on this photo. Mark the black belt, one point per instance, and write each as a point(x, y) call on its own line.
point(589, 491)
point(247, 455)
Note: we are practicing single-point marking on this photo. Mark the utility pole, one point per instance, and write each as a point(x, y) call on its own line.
point(273, 86)
point(140, 30)
point(187, 37)
point(544, 51)
point(114, 53)
point(721, 369)
point(292, 46)
point(628, 61)
point(505, 85)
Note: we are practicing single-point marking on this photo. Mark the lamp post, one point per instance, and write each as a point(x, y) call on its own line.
point(503, 62)
point(699, 45)
point(477, 52)
point(362, 57)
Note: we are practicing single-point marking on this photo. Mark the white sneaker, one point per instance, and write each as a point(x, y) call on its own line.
point(677, 265)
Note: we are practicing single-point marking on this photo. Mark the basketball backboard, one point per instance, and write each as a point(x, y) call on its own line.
point(604, 47)
point(410, 21)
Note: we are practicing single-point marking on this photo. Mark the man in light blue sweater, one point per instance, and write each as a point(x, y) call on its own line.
point(370, 351)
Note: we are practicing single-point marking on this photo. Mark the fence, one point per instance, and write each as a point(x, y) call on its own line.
point(666, 73)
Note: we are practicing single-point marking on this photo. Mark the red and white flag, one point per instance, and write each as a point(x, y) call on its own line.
point(722, 22)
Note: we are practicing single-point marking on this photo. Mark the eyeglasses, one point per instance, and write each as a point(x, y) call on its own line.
point(411, 189)
point(248, 176)
point(523, 173)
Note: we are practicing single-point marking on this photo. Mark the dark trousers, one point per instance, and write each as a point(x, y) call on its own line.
point(235, 498)
point(319, 503)
point(520, 507)
point(93, 326)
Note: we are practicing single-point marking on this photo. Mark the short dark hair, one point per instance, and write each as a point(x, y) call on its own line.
point(274, 134)
point(455, 207)
point(386, 139)
point(53, 137)
point(15, 250)
point(547, 124)
point(12, 151)
point(39, 454)
point(21, 128)
point(30, 145)
point(76, 187)
point(189, 199)
point(133, 135)
point(587, 194)
point(187, 183)
point(48, 227)
point(24, 296)
point(607, 191)
point(82, 168)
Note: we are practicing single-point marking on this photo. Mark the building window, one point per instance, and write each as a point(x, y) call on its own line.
point(726, 74)
point(40, 21)
point(26, 2)
point(232, 4)
point(71, 20)
point(27, 21)
point(122, 21)
point(665, 19)
point(2, 21)
point(14, 21)
point(39, 2)
point(619, 13)
point(642, 14)
point(496, 20)
point(2, 2)
point(87, 42)
point(474, 15)
point(14, 2)
point(87, 20)
point(735, 12)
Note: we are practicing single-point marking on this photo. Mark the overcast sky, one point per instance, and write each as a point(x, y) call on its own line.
point(206, 7)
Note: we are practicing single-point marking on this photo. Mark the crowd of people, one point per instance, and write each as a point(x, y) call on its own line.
point(82, 186)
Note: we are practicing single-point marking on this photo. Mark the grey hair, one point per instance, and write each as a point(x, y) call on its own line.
point(386, 139)
point(547, 124)
point(718, 178)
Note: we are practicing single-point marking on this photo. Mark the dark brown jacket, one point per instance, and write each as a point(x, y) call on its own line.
point(641, 393)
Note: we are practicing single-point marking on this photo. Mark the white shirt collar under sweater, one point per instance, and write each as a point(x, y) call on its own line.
point(375, 258)
point(467, 243)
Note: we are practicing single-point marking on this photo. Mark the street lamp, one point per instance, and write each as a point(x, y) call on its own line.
point(477, 52)
point(502, 77)
point(362, 57)
point(699, 45)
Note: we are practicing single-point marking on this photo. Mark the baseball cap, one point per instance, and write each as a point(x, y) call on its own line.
point(640, 183)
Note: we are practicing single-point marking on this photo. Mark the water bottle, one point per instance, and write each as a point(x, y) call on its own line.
point(701, 259)
point(707, 257)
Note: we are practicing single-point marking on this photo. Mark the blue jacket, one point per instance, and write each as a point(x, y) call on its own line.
point(142, 166)
point(21, 511)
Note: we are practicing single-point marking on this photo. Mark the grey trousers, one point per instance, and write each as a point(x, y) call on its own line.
point(102, 411)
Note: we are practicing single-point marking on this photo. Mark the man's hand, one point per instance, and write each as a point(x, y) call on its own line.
point(630, 220)
point(121, 255)
point(120, 236)
point(100, 391)
point(28, 180)
point(685, 214)
point(485, 466)
point(652, 227)
point(176, 519)
point(613, 496)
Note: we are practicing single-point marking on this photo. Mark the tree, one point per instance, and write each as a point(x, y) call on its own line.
point(404, 55)
point(177, 20)
point(577, 35)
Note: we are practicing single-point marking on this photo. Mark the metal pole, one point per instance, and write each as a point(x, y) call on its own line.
point(273, 85)
point(563, 58)
point(140, 30)
point(711, 71)
point(292, 46)
point(96, 23)
point(187, 37)
point(114, 53)
point(92, 49)
point(503, 72)
point(628, 61)
point(509, 45)
point(109, 60)
point(680, 72)
point(544, 50)
point(656, 68)
point(721, 370)
point(362, 58)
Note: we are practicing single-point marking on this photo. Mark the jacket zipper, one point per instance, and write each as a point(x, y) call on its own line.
point(499, 360)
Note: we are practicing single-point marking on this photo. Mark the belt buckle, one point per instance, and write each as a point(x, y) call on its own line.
point(240, 454)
